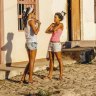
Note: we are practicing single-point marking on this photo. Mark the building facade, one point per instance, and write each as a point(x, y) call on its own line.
point(79, 24)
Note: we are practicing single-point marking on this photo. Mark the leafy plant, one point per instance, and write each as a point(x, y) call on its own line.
point(43, 93)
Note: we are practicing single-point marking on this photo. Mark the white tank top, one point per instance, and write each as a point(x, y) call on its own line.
point(29, 33)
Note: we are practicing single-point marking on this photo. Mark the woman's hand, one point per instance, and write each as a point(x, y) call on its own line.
point(50, 29)
point(37, 21)
point(60, 26)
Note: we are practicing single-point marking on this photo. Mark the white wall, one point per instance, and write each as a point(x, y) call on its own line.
point(59, 6)
point(88, 25)
point(45, 16)
point(17, 52)
point(47, 9)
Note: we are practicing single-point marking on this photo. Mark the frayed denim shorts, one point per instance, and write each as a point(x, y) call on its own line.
point(54, 47)
point(31, 45)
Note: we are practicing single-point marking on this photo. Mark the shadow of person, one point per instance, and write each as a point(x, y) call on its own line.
point(8, 48)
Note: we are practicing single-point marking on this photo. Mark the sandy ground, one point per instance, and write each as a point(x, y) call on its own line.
point(78, 80)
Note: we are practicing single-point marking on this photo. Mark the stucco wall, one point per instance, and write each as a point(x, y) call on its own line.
point(14, 41)
point(14, 49)
point(89, 29)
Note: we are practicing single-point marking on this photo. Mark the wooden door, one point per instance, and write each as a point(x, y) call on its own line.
point(75, 20)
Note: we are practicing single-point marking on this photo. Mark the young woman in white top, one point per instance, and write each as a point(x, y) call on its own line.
point(31, 27)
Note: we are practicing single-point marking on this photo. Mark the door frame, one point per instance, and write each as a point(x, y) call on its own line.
point(1, 30)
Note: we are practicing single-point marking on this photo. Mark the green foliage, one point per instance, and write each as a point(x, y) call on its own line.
point(43, 93)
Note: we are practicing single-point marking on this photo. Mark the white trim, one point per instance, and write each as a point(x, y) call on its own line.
point(81, 12)
point(1, 31)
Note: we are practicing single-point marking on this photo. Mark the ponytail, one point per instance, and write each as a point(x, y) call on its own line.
point(61, 15)
point(25, 16)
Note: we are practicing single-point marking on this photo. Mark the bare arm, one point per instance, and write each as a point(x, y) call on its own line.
point(35, 29)
point(53, 28)
point(50, 29)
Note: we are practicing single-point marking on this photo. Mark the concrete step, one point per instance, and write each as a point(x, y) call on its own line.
point(73, 49)
point(75, 53)
point(83, 43)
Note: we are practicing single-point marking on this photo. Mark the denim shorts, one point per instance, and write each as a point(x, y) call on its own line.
point(31, 45)
point(54, 47)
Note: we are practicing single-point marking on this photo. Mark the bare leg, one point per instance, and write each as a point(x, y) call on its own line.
point(51, 64)
point(53, 57)
point(59, 58)
point(26, 69)
point(31, 63)
point(25, 72)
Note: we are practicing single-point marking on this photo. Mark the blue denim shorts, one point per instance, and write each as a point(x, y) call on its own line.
point(31, 45)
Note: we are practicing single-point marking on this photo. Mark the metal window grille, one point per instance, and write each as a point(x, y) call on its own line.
point(21, 4)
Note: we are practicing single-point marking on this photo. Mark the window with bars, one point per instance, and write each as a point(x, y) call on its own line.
point(95, 10)
point(21, 4)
